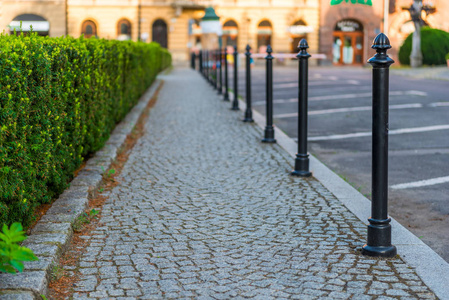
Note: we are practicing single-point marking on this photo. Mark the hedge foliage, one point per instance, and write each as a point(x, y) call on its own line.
point(434, 47)
point(59, 100)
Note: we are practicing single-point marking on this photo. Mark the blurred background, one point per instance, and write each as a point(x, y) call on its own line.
point(342, 30)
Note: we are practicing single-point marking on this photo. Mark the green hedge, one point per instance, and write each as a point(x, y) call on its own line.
point(59, 100)
point(434, 47)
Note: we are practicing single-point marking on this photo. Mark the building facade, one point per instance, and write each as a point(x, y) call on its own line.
point(342, 31)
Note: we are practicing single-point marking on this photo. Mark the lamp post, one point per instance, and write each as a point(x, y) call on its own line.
point(210, 32)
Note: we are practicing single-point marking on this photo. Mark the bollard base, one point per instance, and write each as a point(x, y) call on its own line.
point(269, 140)
point(235, 108)
point(381, 251)
point(226, 98)
point(248, 116)
point(269, 135)
point(301, 166)
point(300, 173)
point(379, 239)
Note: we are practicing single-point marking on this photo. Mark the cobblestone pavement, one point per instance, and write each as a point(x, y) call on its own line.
point(206, 211)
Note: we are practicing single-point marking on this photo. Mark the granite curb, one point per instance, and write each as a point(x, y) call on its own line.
point(428, 265)
point(52, 234)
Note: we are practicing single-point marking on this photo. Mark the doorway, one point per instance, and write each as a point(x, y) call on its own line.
point(160, 33)
point(347, 46)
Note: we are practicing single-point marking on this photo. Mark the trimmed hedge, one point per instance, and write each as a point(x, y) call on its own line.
point(59, 100)
point(434, 47)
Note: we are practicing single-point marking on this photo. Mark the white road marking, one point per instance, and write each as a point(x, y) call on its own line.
point(314, 83)
point(437, 104)
point(355, 82)
point(346, 109)
point(343, 97)
point(365, 95)
point(391, 132)
point(421, 183)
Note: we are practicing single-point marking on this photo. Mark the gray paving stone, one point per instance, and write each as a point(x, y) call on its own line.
point(204, 210)
point(16, 295)
point(35, 281)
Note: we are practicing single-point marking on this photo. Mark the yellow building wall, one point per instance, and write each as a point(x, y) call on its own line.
point(53, 11)
point(106, 19)
point(246, 13)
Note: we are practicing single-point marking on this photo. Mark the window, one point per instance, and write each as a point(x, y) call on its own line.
point(123, 30)
point(89, 29)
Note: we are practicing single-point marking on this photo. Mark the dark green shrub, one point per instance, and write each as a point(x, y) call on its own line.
point(434, 47)
point(59, 100)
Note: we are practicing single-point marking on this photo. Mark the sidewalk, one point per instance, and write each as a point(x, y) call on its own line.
point(205, 209)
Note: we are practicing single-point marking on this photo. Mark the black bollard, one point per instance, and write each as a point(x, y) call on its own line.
point(226, 92)
point(220, 72)
point(248, 112)
point(206, 67)
point(192, 60)
point(215, 64)
point(302, 157)
point(235, 102)
point(209, 57)
point(200, 61)
point(269, 129)
point(379, 229)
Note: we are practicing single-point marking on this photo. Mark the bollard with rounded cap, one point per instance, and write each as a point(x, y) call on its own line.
point(379, 228)
point(302, 157)
point(235, 101)
point(226, 91)
point(220, 71)
point(269, 129)
point(248, 112)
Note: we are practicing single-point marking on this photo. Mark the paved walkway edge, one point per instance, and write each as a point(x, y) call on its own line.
point(53, 233)
point(433, 270)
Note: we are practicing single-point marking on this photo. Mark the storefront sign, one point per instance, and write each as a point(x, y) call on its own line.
point(365, 2)
point(348, 26)
point(299, 29)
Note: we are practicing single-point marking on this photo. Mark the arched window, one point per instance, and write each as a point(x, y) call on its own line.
point(230, 33)
point(123, 30)
point(89, 29)
point(160, 33)
point(40, 25)
point(264, 32)
point(298, 31)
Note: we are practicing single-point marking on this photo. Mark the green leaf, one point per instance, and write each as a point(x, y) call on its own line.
point(17, 264)
point(24, 254)
point(7, 269)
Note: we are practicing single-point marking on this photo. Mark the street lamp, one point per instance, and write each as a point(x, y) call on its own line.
point(210, 29)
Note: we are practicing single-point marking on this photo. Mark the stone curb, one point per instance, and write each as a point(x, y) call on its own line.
point(428, 265)
point(52, 234)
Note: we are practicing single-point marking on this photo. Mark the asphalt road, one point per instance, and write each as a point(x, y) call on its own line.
point(340, 124)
